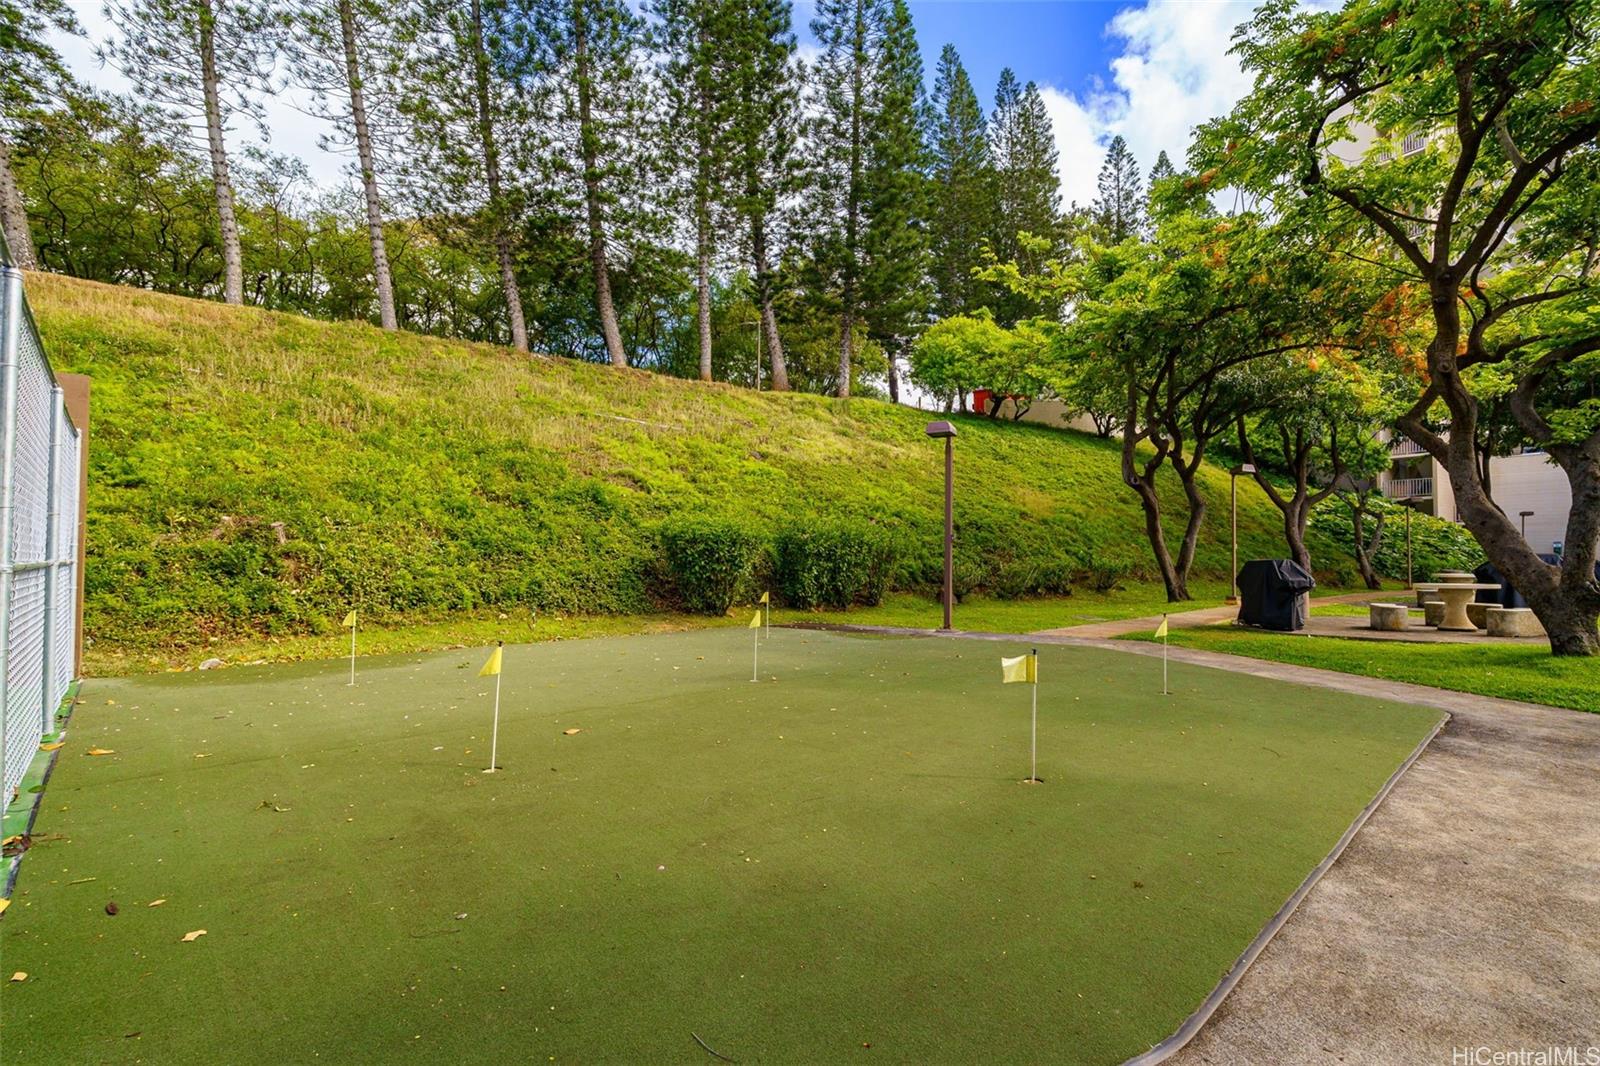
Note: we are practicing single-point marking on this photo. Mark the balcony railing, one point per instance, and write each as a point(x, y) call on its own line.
point(1405, 446)
point(1401, 488)
point(1413, 143)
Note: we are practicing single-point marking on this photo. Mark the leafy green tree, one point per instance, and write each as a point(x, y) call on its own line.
point(1119, 203)
point(31, 74)
point(204, 60)
point(340, 49)
point(1466, 140)
point(1027, 188)
point(963, 203)
point(473, 128)
point(963, 353)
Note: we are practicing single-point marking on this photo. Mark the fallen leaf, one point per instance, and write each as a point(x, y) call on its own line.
point(569, 732)
point(57, 746)
point(271, 806)
point(101, 751)
point(155, 903)
point(196, 935)
point(83, 880)
point(203, 755)
point(4, 903)
point(19, 976)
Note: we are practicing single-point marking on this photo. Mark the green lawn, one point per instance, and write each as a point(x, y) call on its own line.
point(1511, 671)
point(979, 613)
point(842, 856)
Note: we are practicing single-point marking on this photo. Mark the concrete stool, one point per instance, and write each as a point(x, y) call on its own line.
point(1433, 613)
point(1390, 617)
point(1423, 595)
point(1479, 614)
point(1513, 622)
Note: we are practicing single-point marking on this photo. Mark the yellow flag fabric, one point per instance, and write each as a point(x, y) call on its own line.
point(1161, 630)
point(1022, 668)
point(755, 620)
point(766, 597)
point(350, 620)
point(492, 667)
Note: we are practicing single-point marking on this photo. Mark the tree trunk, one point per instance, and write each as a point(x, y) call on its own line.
point(1365, 552)
point(1143, 484)
point(852, 222)
point(894, 378)
point(382, 281)
point(14, 215)
point(847, 341)
point(769, 320)
point(1196, 519)
point(589, 149)
point(491, 171)
point(1565, 599)
point(703, 301)
point(222, 184)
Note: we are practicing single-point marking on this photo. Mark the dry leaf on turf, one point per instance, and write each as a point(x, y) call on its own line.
point(4, 903)
point(56, 746)
point(155, 903)
point(101, 751)
point(569, 732)
point(196, 935)
point(20, 975)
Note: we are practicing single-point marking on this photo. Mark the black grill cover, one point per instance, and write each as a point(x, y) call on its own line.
point(1506, 595)
point(1272, 594)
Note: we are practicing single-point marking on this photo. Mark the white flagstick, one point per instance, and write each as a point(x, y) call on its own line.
point(755, 660)
point(1033, 774)
point(352, 653)
point(494, 735)
point(768, 606)
point(1164, 691)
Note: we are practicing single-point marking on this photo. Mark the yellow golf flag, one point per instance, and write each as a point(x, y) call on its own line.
point(349, 620)
point(766, 597)
point(755, 621)
point(492, 667)
point(1161, 630)
point(1023, 668)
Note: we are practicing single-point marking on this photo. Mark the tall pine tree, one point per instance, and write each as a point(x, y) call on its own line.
point(203, 60)
point(1119, 204)
point(895, 250)
point(962, 193)
point(1027, 187)
point(764, 86)
point(31, 72)
point(473, 130)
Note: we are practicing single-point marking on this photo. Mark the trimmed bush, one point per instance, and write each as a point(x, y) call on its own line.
point(709, 560)
point(833, 564)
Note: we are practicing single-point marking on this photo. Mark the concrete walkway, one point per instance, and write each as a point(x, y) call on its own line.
point(1465, 914)
point(1203, 616)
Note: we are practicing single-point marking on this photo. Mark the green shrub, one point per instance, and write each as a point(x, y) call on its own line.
point(1436, 544)
point(709, 560)
point(1104, 570)
point(833, 564)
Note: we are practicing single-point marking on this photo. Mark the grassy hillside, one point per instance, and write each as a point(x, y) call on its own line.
point(256, 473)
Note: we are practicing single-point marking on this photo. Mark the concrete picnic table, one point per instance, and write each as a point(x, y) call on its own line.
point(1456, 595)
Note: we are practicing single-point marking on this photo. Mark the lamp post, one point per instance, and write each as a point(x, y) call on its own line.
point(1525, 515)
point(1233, 509)
point(1408, 501)
point(946, 432)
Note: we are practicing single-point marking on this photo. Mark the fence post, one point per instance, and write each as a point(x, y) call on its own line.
point(52, 514)
point(10, 350)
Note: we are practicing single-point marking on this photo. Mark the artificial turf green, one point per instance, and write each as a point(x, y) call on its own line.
point(838, 862)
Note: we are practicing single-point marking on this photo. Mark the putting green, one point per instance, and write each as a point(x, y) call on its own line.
point(840, 856)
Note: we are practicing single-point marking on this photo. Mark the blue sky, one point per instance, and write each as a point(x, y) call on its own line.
point(1148, 70)
point(1064, 44)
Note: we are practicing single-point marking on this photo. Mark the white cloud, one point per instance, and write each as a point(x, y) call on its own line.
point(1173, 74)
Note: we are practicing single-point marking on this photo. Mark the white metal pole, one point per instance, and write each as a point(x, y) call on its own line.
point(768, 623)
point(755, 660)
point(494, 736)
point(1164, 664)
point(1033, 773)
point(352, 654)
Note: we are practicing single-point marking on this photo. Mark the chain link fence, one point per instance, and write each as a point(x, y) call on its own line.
point(39, 508)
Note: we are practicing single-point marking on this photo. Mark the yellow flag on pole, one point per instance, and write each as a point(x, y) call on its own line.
point(755, 620)
point(1161, 630)
point(766, 597)
point(492, 667)
point(349, 620)
point(1021, 668)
